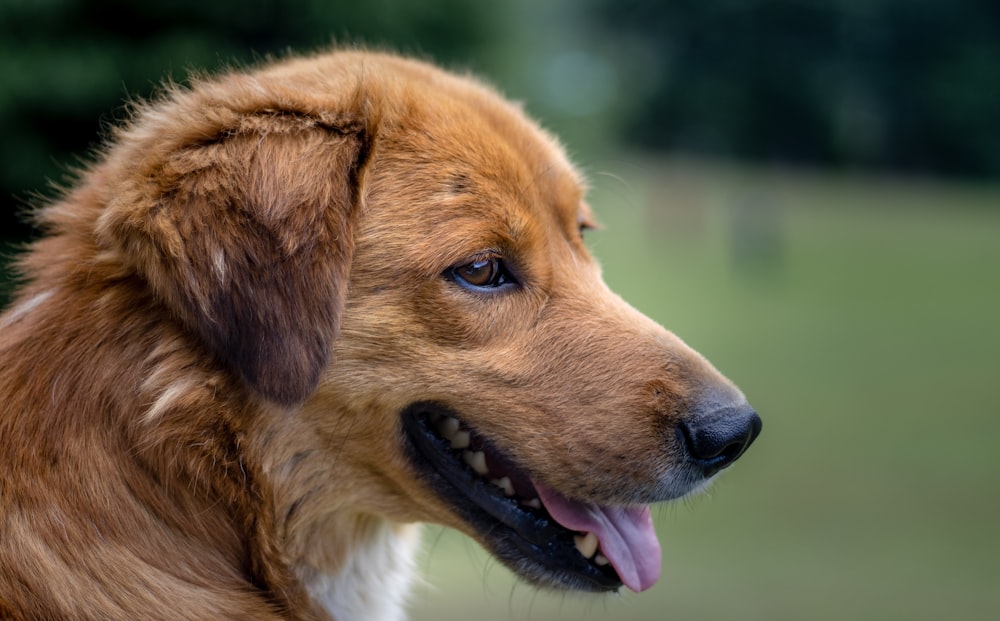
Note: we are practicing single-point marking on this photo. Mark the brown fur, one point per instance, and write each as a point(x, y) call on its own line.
point(203, 375)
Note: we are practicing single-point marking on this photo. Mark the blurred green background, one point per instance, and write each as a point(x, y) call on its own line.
point(808, 192)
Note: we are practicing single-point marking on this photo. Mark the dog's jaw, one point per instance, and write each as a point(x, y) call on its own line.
point(547, 538)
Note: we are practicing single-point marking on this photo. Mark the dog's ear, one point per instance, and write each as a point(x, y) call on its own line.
point(247, 238)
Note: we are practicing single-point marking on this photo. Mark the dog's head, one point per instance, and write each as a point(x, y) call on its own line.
point(396, 255)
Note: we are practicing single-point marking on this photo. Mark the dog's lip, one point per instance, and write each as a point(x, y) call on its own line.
point(546, 551)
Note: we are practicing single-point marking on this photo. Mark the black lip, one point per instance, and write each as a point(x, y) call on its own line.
point(528, 541)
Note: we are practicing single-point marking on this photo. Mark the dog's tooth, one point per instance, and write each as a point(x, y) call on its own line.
point(460, 439)
point(504, 484)
point(447, 426)
point(586, 544)
point(476, 460)
point(534, 503)
point(601, 560)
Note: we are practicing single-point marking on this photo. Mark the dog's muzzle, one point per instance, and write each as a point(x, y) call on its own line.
point(546, 537)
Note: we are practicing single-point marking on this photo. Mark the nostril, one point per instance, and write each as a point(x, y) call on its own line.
point(709, 446)
point(717, 439)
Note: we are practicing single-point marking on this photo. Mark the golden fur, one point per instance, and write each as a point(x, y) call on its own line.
point(203, 374)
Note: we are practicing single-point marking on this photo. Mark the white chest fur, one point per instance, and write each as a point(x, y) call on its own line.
point(374, 583)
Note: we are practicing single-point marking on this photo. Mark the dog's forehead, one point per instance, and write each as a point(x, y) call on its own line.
point(472, 172)
point(473, 147)
point(441, 219)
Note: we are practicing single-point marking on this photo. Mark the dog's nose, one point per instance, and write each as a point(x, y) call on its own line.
point(716, 439)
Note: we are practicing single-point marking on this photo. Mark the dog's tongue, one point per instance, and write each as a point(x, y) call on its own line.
point(625, 534)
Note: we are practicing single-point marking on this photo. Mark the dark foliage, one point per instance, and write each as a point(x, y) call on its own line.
point(67, 66)
point(901, 85)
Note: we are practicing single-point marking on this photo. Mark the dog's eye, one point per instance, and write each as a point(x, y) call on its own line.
point(486, 273)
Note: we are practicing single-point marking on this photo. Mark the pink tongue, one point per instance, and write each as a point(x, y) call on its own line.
point(625, 534)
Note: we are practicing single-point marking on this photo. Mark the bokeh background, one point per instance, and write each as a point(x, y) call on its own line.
point(807, 191)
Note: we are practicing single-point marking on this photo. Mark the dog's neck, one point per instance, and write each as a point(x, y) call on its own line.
point(373, 581)
point(246, 513)
point(349, 560)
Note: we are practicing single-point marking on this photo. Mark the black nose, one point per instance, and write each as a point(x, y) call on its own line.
point(716, 439)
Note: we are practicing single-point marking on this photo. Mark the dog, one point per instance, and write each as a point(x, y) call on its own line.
point(291, 312)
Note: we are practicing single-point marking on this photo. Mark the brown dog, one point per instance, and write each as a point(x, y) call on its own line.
point(288, 314)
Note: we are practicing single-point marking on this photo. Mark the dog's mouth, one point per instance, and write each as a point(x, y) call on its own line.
point(539, 533)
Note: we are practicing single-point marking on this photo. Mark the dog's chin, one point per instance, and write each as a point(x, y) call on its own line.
point(500, 503)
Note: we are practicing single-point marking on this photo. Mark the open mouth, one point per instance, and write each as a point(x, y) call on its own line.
point(545, 537)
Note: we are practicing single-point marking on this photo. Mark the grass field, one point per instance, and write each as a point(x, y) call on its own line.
point(862, 319)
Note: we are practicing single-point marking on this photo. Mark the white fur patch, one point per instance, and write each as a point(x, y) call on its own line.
point(374, 584)
point(219, 264)
point(24, 308)
point(168, 397)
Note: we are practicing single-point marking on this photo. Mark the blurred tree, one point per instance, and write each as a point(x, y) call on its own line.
point(67, 65)
point(907, 85)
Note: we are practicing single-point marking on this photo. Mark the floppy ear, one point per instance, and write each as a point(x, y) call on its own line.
point(247, 238)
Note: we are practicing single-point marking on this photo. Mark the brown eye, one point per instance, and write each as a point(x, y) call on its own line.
point(487, 273)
